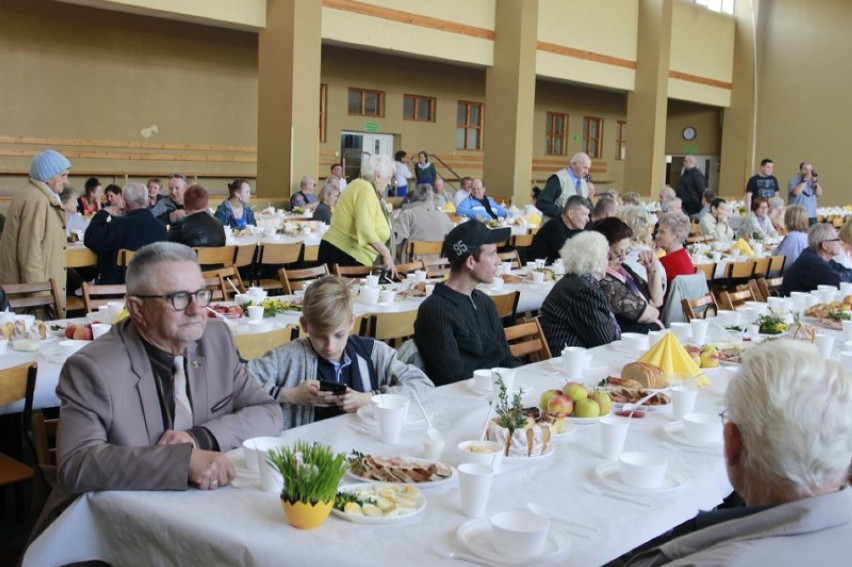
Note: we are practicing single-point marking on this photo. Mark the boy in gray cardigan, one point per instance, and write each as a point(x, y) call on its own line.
point(291, 373)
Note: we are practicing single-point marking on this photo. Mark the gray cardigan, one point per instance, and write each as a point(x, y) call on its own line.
point(288, 365)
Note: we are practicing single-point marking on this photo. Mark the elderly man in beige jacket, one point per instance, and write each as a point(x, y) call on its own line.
point(32, 248)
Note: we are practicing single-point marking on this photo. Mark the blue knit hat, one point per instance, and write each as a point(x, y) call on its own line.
point(47, 164)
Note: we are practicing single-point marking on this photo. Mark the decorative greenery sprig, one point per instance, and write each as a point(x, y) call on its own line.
point(311, 472)
point(511, 418)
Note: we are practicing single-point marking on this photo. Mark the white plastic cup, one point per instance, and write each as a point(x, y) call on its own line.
point(103, 314)
point(699, 331)
point(613, 435)
point(387, 296)
point(846, 358)
point(845, 288)
point(255, 313)
point(491, 455)
point(482, 380)
point(475, 486)
point(430, 288)
point(508, 377)
point(390, 411)
point(433, 446)
point(574, 361)
point(370, 295)
point(683, 401)
point(683, 331)
point(4, 344)
point(421, 275)
point(655, 336)
point(507, 268)
point(847, 331)
point(635, 341)
point(727, 318)
point(270, 479)
point(540, 262)
point(824, 344)
point(702, 427)
point(114, 308)
point(538, 277)
point(519, 534)
point(99, 329)
point(642, 470)
point(372, 281)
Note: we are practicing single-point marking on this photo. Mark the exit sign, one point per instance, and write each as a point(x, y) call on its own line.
point(371, 126)
point(690, 149)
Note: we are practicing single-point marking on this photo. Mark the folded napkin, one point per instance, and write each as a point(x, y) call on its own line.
point(534, 218)
point(743, 247)
point(669, 356)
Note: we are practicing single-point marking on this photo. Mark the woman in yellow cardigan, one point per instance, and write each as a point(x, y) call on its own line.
point(360, 231)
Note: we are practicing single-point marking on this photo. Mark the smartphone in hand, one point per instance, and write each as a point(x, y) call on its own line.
point(336, 388)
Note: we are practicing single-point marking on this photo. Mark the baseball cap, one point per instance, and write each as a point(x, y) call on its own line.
point(466, 237)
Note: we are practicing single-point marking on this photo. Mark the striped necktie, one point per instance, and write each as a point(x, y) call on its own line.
point(183, 409)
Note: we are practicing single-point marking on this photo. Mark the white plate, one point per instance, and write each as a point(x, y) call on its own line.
point(515, 460)
point(475, 537)
point(583, 420)
point(429, 484)
point(617, 406)
point(371, 488)
point(675, 432)
point(620, 347)
point(413, 417)
point(610, 476)
point(567, 429)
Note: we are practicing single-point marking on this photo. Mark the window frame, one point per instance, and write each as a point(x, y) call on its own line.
point(364, 93)
point(323, 112)
point(468, 127)
point(621, 140)
point(550, 134)
point(587, 139)
point(418, 100)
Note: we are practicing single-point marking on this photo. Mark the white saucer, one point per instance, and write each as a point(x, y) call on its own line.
point(675, 432)
point(413, 417)
point(610, 476)
point(517, 460)
point(471, 384)
point(619, 347)
point(583, 420)
point(567, 429)
point(475, 537)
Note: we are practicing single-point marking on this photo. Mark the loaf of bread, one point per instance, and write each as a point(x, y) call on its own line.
point(648, 375)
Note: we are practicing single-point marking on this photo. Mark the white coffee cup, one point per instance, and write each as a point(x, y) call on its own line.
point(699, 331)
point(845, 288)
point(433, 446)
point(114, 308)
point(635, 341)
point(508, 377)
point(371, 281)
point(824, 344)
point(482, 380)
point(847, 331)
point(370, 295)
point(475, 487)
point(421, 275)
point(613, 435)
point(540, 262)
point(99, 329)
point(255, 313)
point(390, 411)
point(519, 534)
point(574, 361)
point(270, 479)
point(387, 296)
point(702, 427)
point(683, 331)
point(538, 277)
point(506, 268)
point(683, 401)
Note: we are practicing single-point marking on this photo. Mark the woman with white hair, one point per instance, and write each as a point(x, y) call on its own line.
point(788, 445)
point(360, 233)
point(672, 231)
point(576, 311)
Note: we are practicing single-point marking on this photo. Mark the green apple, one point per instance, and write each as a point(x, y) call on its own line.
point(603, 400)
point(587, 408)
point(546, 396)
point(575, 391)
point(709, 359)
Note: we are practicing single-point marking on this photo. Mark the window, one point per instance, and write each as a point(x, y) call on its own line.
point(592, 134)
point(323, 115)
point(419, 108)
point(556, 129)
point(723, 6)
point(469, 126)
point(363, 102)
point(621, 140)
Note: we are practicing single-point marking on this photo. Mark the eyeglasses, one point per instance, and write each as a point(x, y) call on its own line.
point(180, 299)
point(619, 253)
point(832, 240)
point(722, 416)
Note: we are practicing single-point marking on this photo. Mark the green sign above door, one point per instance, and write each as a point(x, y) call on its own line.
point(371, 126)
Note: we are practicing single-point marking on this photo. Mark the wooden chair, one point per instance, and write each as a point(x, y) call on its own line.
point(511, 256)
point(16, 384)
point(311, 254)
point(215, 256)
point(218, 286)
point(44, 443)
point(392, 327)
point(245, 255)
point(507, 306)
point(361, 327)
point(737, 273)
point(258, 344)
point(352, 271)
point(696, 238)
point(709, 270)
point(395, 202)
point(699, 308)
point(80, 258)
point(25, 297)
point(436, 267)
point(752, 286)
point(96, 295)
point(769, 287)
point(276, 256)
point(229, 276)
point(521, 240)
point(403, 270)
point(527, 340)
point(776, 266)
point(124, 257)
point(761, 267)
point(418, 249)
point(731, 300)
point(291, 280)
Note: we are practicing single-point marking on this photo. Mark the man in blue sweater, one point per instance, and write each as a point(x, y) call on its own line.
point(814, 266)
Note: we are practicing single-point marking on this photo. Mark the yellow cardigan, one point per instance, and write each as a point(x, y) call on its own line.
point(358, 219)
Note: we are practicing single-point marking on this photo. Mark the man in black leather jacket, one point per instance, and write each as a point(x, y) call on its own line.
point(199, 227)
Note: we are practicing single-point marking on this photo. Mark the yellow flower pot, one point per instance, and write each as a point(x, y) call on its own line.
point(307, 516)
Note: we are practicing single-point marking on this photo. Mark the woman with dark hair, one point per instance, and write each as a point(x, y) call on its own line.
point(402, 174)
point(235, 210)
point(115, 200)
point(757, 222)
point(90, 202)
point(425, 169)
point(635, 303)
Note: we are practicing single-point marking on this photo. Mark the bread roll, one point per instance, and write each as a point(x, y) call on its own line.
point(648, 375)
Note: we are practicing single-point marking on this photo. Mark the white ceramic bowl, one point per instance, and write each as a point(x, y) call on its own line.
point(519, 534)
point(702, 427)
point(642, 470)
point(481, 453)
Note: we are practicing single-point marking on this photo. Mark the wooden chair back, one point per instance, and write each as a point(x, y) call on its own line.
point(769, 287)
point(24, 297)
point(96, 295)
point(215, 255)
point(44, 439)
point(277, 256)
point(124, 257)
point(699, 308)
point(527, 340)
point(16, 384)
point(507, 306)
point(709, 270)
point(352, 271)
point(217, 286)
point(291, 280)
point(751, 285)
point(392, 327)
point(230, 276)
point(311, 253)
point(418, 249)
point(776, 266)
point(436, 267)
point(761, 267)
point(80, 257)
point(731, 300)
point(245, 255)
point(403, 270)
point(511, 256)
point(521, 240)
point(257, 344)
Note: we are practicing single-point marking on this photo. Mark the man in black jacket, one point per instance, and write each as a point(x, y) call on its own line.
point(199, 227)
point(107, 234)
point(690, 188)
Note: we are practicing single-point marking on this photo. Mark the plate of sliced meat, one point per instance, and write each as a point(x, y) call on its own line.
point(400, 470)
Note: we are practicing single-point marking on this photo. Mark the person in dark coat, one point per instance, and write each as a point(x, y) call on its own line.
point(199, 227)
point(691, 187)
point(107, 234)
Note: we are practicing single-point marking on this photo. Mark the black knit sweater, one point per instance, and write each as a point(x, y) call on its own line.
point(576, 313)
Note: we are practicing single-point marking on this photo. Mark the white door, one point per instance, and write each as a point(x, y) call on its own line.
point(354, 144)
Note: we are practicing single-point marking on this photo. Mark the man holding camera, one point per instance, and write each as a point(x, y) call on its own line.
point(804, 188)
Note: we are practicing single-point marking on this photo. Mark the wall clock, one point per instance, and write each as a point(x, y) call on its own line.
point(689, 133)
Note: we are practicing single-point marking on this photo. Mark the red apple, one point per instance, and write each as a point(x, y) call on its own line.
point(546, 396)
point(69, 331)
point(83, 333)
point(694, 352)
point(560, 405)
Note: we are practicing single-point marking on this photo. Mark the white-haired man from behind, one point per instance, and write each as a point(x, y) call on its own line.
point(788, 445)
